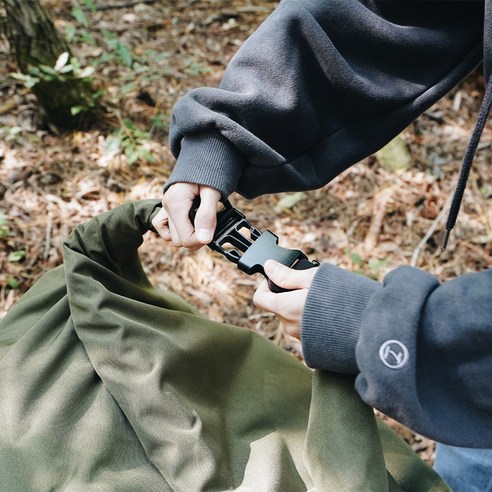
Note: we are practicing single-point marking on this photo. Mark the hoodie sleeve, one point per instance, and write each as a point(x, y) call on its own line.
point(320, 85)
point(421, 350)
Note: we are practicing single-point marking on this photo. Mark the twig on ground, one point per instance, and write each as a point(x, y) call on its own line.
point(430, 231)
point(47, 237)
point(381, 203)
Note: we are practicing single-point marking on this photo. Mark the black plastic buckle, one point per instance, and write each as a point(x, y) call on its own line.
point(251, 253)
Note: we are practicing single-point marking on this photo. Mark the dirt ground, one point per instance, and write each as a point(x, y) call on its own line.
point(370, 219)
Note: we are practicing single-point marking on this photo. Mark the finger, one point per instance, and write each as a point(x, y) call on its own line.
point(265, 299)
point(161, 224)
point(206, 215)
point(175, 237)
point(288, 278)
point(287, 306)
point(178, 201)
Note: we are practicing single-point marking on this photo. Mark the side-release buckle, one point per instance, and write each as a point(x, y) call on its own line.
point(244, 244)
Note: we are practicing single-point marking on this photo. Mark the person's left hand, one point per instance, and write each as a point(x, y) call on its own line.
point(287, 306)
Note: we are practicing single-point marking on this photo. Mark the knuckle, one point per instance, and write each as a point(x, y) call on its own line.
point(171, 195)
point(167, 200)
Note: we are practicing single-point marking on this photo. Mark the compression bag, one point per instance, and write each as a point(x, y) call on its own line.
point(110, 384)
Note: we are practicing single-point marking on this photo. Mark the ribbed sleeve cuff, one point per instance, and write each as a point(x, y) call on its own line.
point(332, 318)
point(207, 158)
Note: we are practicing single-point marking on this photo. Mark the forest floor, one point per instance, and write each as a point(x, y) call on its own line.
point(370, 219)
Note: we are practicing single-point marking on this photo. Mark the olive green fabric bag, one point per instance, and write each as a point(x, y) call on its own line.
point(109, 384)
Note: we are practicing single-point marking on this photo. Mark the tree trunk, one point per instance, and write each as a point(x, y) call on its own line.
point(35, 42)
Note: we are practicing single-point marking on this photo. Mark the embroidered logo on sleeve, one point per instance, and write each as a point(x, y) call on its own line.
point(393, 354)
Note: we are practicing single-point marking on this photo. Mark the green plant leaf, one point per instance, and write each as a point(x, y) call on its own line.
point(124, 53)
point(13, 283)
point(79, 15)
point(86, 72)
point(85, 37)
point(289, 201)
point(47, 70)
point(67, 69)
point(10, 133)
point(132, 155)
point(376, 264)
point(70, 32)
point(355, 257)
point(395, 155)
point(113, 143)
point(75, 110)
point(90, 5)
point(28, 80)
point(147, 155)
point(139, 68)
point(4, 228)
point(16, 256)
point(128, 87)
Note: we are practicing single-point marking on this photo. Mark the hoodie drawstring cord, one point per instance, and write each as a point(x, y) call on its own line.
point(467, 162)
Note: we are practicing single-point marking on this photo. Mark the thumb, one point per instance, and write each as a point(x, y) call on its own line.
point(288, 278)
point(206, 215)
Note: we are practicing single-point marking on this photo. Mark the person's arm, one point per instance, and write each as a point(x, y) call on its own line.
point(421, 350)
point(320, 85)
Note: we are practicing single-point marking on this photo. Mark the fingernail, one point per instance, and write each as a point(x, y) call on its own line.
point(203, 235)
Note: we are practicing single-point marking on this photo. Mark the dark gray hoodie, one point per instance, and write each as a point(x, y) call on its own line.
point(320, 85)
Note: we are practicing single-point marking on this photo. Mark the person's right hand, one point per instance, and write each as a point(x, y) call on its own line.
point(173, 222)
